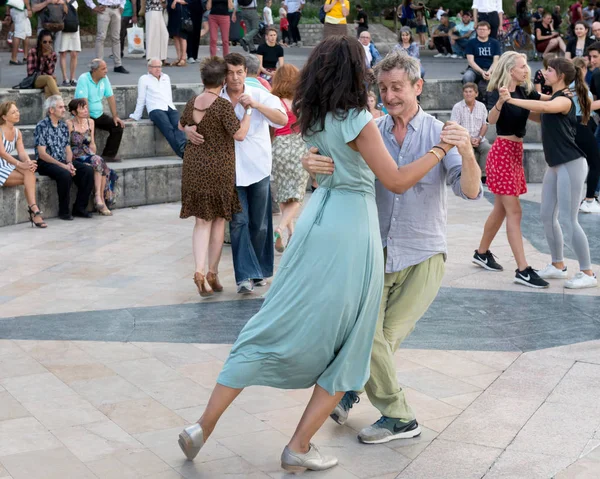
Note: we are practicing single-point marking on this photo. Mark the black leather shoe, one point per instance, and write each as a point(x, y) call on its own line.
point(82, 214)
point(120, 69)
point(66, 217)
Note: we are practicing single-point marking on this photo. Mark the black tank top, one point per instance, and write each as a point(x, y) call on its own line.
point(558, 136)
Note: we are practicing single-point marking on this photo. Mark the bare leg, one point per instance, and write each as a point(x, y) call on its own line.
point(63, 65)
point(73, 65)
point(15, 49)
point(27, 179)
point(316, 413)
point(183, 49)
point(98, 187)
point(512, 205)
point(492, 225)
point(288, 216)
point(215, 246)
point(25, 49)
point(552, 44)
point(220, 399)
point(200, 241)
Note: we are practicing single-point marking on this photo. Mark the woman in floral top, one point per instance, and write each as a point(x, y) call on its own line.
point(42, 60)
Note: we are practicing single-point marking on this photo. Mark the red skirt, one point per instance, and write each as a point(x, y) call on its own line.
point(504, 168)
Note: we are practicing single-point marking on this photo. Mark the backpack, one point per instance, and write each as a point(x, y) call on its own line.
point(52, 18)
point(71, 19)
point(244, 3)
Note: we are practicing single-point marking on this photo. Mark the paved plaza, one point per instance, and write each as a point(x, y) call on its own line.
point(108, 351)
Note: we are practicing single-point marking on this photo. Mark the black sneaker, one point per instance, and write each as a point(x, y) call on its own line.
point(486, 261)
point(529, 277)
point(120, 69)
point(340, 413)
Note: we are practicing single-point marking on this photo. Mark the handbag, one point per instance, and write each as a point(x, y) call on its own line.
point(28, 83)
point(71, 19)
point(187, 26)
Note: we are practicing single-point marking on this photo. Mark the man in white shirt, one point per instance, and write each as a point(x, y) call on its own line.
point(252, 229)
point(294, 12)
point(489, 11)
point(154, 93)
point(108, 13)
point(472, 115)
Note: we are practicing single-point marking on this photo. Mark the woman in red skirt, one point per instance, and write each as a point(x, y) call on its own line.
point(504, 169)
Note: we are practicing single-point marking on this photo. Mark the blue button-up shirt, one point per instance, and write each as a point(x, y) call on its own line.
point(413, 224)
point(54, 138)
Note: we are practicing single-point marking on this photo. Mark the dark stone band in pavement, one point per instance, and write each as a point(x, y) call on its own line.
point(461, 319)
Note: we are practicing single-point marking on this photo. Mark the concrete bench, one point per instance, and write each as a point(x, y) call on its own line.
point(141, 182)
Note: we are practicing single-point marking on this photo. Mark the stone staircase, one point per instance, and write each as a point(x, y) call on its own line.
point(152, 174)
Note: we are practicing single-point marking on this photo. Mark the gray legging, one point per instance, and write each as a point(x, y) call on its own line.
point(561, 193)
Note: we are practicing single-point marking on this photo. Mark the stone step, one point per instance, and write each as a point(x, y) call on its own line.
point(141, 139)
point(31, 102)
point(141, 182)
point(534, 130)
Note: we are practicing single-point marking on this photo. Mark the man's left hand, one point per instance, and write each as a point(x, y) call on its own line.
point(119, 122)
point(455, 135)
point(247, 101)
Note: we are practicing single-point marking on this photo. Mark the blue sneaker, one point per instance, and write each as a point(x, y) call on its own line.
point(340, 413)
point(387, 429)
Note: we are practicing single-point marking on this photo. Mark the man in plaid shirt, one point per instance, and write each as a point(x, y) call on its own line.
point(472, 115)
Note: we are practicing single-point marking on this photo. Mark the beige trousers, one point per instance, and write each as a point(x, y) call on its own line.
point(109, 19)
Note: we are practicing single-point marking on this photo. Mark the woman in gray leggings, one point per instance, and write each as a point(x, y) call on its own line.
point(567, 169)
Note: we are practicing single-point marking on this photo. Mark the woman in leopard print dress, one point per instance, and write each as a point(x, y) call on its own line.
point(208, 177)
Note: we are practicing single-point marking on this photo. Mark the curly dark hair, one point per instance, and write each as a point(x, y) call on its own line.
point(334, 80)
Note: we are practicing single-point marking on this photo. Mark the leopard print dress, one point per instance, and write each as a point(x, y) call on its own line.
point(208, 175)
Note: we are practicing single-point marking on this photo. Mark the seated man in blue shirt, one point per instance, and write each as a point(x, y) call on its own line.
point(413, 235)
point(461, 34)
point(55, 159)
point(94, 86)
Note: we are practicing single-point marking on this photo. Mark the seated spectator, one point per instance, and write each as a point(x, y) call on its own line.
point(15, 166)
point(577, 46)
point(595, 31)
point(483, 53)
point(154, 93)
point(546, 39)
point(539, 81)
point(472, 115)
point(372, 104)
point(94, 86)
point(441, 37)
point(55, 159)
point(407, 44)
point(83, 146)
point(42, 60)
point(371, 53)
point(538, 14)
point(556, 18)
point(252, 77)
point(461, 34)
point(270, 55)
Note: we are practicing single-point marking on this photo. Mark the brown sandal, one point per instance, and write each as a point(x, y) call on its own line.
point(213, 280)
point(181, 63)
point(201, 285)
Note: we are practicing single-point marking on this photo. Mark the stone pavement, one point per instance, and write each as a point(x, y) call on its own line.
point(107, 351)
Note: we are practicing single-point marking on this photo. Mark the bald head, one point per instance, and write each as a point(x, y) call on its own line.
point(596, 30)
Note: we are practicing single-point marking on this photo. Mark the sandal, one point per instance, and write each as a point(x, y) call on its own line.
point(18, 62)
point(201, 285)
point(174, 63)
point(278, 241)
point(181, 63)
point(33, 215)
point(102, 209)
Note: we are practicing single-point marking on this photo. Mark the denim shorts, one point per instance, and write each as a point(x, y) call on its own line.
point(421, 28)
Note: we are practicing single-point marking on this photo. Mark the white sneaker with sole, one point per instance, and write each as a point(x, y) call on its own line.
point(581, 281)
point(439, 55)
point(454, 55)
point(552, 272)
point(589, 206)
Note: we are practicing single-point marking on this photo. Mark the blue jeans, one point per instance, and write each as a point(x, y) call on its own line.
point(460, 46)
point(252, 233)
point(167, 123)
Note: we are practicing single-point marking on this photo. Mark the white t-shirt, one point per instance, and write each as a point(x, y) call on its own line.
point(293, 5)
point(268, 16)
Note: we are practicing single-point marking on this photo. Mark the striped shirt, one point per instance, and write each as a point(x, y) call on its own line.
point(10, 147)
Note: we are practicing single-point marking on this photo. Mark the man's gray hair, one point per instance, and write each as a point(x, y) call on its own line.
point(401, 61)
point(252, 64)
point(154, 60)
point(51, 102)
point(95, 64)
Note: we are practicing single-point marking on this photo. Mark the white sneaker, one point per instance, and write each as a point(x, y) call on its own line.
point(454, 55)
point(590, 206)
point(552, 272)
point(439, 55)
point(191, 60)
point(581, 281)
point(448, 55)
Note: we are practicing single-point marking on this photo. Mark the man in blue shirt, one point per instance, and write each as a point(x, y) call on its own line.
point(55, 159)
point(94, 86)
point(461, 34)
point(483, 53)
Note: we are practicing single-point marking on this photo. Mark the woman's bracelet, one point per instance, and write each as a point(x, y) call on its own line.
point(440, 148)
point(496, 107)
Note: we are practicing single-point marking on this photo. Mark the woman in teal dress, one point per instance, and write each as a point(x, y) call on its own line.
point(317, 323)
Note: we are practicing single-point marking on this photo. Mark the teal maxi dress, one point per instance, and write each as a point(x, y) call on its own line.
point(318, 320)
